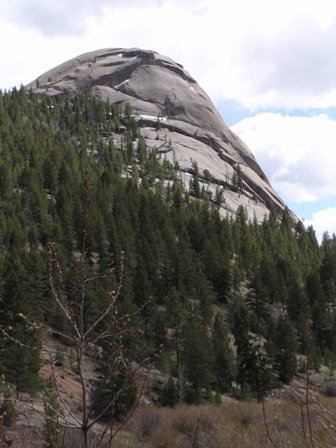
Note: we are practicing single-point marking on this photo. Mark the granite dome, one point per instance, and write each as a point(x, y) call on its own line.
point(191, 129)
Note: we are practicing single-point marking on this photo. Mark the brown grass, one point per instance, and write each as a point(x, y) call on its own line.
point(231, 425)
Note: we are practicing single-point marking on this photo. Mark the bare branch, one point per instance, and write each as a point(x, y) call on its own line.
point(113, 297)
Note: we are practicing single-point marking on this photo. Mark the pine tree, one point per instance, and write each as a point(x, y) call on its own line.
point(20, 360)
point(51, 430)
point(224, 362)
point(197, 358)
point(321, 325)
point(114, 394)
point(285, 347)
point(253, 365)
point(169, 396)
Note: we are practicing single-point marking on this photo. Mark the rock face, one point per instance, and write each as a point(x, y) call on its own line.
point(191, 130)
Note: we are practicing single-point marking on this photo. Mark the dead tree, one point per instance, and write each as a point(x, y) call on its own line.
point(102, 341)
point(86, 342)
point(99, 339)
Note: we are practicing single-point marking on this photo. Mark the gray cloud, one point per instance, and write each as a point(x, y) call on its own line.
point(64, 17)
point(298, 58)
point(68, 17)
point(249, 58)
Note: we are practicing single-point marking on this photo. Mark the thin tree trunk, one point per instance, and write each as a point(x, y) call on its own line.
point(85, 438)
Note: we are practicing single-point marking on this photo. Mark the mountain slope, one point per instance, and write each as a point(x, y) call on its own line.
point(189, 278)
point(177, 120)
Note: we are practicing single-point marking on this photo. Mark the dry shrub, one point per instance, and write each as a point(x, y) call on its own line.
point(229, 436)
point(168, 438)
point(240, 425)
point(242, 414)
point(330, 389)
point(184, 419)
point(145, 421)
point(167, 427)
point(233, 425)
point(125, 440)
point(299, 423)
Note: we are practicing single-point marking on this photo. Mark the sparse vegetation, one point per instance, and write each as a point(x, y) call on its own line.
point(233, 425)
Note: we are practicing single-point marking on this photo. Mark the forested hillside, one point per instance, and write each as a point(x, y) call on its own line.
point(224, 304)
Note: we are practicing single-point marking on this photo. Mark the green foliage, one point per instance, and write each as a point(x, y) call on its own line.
point(114, 395)
point(237, 179)
point(8, 412)
point(285, 346)
point(181, 257)
point(253, 364)
point(52, 437)
point(21, 363)
point(197, 357)
point(224, 361)
point(169, 395)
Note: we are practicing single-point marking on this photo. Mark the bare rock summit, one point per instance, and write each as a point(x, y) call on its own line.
point(191, 132)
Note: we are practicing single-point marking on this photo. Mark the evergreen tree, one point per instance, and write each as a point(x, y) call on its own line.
point(114, 394)
point(181, 257)
point(318, 309)
point(169, 396)
point(253, 365)
point(51, 429)
point(197, 358)
point(20, 363)
point(285, 347)
point(224, 362)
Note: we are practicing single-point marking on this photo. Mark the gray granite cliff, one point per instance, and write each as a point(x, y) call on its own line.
point(191, 130)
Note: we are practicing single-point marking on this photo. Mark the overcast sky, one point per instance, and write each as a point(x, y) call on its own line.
point(268, 65)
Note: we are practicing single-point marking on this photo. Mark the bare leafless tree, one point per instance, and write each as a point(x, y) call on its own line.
point(87, 342)
point(100, 339)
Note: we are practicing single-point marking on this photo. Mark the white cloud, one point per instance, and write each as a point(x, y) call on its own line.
point(322, 220)
point(263, 53)
point(298, 154)
point(39, 36)
point(291, 67)
point(52, 18)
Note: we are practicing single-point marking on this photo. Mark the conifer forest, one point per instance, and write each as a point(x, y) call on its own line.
point(217, 304)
